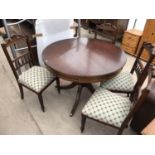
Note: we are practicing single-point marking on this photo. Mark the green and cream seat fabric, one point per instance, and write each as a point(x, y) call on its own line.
point(107, 107)
point(36, 78)
point(122, 82)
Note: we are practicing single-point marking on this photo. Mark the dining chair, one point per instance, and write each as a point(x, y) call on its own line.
point(34, 78)
point(113, 109)
point(124, 82)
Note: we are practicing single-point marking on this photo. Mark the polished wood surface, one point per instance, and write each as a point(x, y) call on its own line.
point(84, 60)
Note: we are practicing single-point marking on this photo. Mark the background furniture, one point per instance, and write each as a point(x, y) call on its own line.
point(146, 112)
point(84, 61)
point(148, 36)
point(107, 30)
point(34, 78)
point(91, 24)
point(131, 40)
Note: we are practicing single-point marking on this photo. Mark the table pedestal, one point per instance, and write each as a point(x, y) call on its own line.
point(78, 94)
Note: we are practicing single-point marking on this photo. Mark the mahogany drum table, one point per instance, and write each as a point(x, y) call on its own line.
point(83, 61)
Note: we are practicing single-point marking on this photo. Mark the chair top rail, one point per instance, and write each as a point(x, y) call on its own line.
point(21, 56)
point(24, 48)
point(13, 40)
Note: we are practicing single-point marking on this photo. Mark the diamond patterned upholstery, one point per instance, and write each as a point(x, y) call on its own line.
point(122, 82)
point(107, 107)
point(36, 78)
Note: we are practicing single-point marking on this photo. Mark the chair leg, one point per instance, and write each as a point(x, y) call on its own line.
point(76, 32)
point(83, 121)
point(58, 84)
point(95, 36)
point(89, 31)
point(41, 102)
point(21, 91)
point(120, 131)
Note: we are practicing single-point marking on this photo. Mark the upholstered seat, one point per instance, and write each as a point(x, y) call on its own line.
point(36, 78)
point(107, 107)
point(122, 82)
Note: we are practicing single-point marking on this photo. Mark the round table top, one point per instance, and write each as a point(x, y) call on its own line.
point(84, 60)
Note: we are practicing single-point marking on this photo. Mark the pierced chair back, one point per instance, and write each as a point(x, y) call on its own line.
point(18, 61)
point(138, 65)
point(140, 69)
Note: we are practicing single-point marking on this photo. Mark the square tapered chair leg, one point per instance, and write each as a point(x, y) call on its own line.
point(83, 121)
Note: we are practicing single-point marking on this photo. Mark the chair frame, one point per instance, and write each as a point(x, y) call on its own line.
point(22, 60)
point(151, 73)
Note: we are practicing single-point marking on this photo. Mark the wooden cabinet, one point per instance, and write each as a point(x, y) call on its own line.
point(131, 40)
point(148, 36)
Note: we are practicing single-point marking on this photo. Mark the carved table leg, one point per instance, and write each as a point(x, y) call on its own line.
point(80, 87)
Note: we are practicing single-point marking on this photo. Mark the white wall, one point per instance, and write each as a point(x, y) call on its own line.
point(140, 23)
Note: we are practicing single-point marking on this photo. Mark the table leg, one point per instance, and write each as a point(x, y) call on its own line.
point(58, 84)
point(90, 87)
point(80, 87)
point(76, 100)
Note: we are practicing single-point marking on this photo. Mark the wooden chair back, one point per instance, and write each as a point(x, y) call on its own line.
point(21, 61)
point(140, 69)
point(136, 105)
